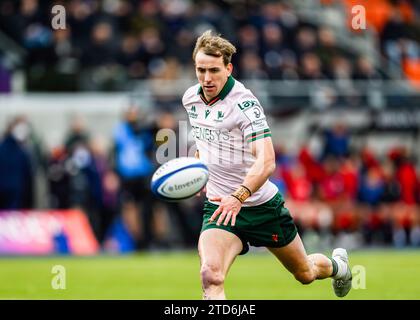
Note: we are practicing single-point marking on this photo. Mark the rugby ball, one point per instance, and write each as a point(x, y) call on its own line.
point(179, 179)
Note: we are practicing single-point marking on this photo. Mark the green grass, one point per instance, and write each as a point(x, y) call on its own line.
point(389, 275)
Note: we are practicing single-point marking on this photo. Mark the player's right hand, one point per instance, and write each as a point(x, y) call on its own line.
point(227, 211)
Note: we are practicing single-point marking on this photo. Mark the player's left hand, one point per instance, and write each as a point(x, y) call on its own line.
point(228, 210)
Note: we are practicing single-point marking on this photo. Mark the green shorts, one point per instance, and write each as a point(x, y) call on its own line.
point(267, 225)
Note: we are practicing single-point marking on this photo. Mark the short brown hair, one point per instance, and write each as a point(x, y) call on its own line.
point(214, 45)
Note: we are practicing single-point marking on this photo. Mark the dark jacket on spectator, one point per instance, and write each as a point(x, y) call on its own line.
point(16, 175)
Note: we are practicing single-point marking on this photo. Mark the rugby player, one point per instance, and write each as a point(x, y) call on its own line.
point(243, 207)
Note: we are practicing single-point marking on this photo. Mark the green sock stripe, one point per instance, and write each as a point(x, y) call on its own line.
point(335, 267)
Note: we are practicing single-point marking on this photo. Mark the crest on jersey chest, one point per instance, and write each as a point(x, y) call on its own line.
point(219, 116)
point(193, 113)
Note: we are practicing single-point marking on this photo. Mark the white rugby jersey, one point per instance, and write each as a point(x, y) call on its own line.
point(223, 129)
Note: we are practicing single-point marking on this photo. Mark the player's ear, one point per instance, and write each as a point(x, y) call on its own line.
point(230, 68)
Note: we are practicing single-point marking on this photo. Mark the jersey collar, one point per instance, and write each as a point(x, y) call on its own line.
point(222, 94)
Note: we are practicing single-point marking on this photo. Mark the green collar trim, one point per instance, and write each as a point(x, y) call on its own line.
point(222, 94)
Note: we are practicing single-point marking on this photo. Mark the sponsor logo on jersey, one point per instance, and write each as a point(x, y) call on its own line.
point(259, 124)
point(257, 112)
point(220, 116)
point(207, 112)
point(246, 104)
point(210, 135)
point(257, 118)
point(193, 113)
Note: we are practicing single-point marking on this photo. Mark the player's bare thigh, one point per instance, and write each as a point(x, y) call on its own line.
point(218, 249)
point(293, 256)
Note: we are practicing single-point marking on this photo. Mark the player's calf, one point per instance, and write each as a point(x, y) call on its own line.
point(305, 277)
point(212, 280)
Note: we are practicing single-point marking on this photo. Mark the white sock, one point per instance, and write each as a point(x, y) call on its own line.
point(342, 268)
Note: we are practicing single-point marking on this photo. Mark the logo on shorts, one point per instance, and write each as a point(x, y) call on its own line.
point(275, 237)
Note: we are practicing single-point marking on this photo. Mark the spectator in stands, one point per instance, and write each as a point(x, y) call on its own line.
point(371, 187)
point(390, 196)
point(108, 189)
point(9, 20)
point(129, 56)
point(65, 63)
point(407, 178)
point(251, 67)
point(58, 179)
point(77, 134)
point(16, 183)
point(298, 185)
point(273, 49)
point(289, 67)
point(340, 71)
point(133, 146)
point(336, 141)
point(350, 171)
point(368, 159)
point(5, 77)
point(101, 40)
point(248, 39)
point(327, 48)
point(399, 41)
point(153, 47)
point(332, 184)
point(184, 42)
point(282, 14)
point(311, 68)
point(84, 181)
point(392, 190)
point(313, 168)
point(305, 41)
point(80, 18)
point(35, 148)
point(364, 70)
point(31, 24)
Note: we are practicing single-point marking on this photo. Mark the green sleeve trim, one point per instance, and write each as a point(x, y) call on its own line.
point(254, 134)
point(259, 137)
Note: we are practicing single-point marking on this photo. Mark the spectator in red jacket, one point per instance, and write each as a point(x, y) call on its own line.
point(407, 178)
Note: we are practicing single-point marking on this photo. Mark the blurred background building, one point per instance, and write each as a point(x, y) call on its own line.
point(80, 108)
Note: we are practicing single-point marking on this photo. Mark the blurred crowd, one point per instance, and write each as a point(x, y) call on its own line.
point(106, 43)
point(346, 190)
point(340, 190)
point(108, 180)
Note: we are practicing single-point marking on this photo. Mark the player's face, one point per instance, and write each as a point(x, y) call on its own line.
point(211, 73)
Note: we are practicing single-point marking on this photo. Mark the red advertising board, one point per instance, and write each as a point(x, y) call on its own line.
point(45, 232)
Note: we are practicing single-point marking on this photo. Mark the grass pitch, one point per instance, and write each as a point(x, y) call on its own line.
point(390, 274)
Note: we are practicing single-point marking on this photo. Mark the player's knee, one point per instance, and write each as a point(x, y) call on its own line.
point(305, 277)
point(211, 275)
